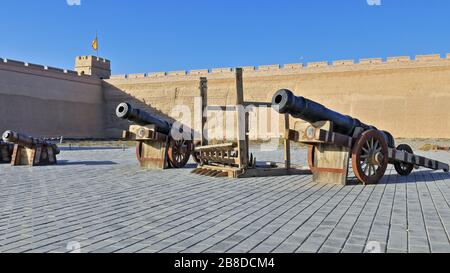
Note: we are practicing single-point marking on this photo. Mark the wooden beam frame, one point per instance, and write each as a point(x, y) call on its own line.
point(242, 166)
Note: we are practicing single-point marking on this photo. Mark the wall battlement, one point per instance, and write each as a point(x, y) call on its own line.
point(93, 59)
point(368, 63)
point(96, 61)
point(41, 68)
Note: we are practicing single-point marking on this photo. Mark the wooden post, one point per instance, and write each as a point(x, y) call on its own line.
point(242, 125)
point(287, 143)
point(204, 96)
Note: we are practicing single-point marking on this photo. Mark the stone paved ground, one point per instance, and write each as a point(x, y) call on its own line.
point(101, 199)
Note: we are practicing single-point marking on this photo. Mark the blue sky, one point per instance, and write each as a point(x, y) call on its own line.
point(144, 36)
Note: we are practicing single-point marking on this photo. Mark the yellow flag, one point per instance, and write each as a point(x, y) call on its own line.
point(95, 44)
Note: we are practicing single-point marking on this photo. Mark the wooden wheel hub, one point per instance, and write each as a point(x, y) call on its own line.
point(376, 159)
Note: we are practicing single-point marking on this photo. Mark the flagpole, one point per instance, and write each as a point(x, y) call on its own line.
point(96, 37)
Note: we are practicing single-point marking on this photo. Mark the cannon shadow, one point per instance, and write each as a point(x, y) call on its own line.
point(425, 176)
point(93, 148)
point(86, 163)
point(190, 166)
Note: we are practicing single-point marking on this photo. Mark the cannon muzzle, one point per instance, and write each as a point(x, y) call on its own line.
point(126, 111)
point(285, 102)
point(7, 136)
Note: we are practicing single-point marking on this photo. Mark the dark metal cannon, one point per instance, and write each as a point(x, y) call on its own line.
point(285, 102)
point(26, 141)
point(156, 148)
point(335, 138)
point(31, 151)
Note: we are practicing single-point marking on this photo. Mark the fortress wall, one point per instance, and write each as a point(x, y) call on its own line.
point(49, 102)
point(404, 95)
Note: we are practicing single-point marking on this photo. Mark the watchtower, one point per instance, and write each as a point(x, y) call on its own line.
point(91, 65)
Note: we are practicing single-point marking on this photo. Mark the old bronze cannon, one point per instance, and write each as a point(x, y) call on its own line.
point(156, 148)
point(31, 151)
point(335, 138)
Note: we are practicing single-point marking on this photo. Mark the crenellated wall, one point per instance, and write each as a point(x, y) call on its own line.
point(407, 96)
point(312, 67)
point(49, 102)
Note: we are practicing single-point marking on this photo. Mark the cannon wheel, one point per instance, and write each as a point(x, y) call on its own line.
point(404, 169)
point(179, 152)
point(370, 157)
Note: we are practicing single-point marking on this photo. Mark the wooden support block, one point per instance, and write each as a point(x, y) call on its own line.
point(320, 133)
point(145, 133)
point(6, 151)
point(152, 154)
point(330, 164)
point(40, 155)
point(151, 148)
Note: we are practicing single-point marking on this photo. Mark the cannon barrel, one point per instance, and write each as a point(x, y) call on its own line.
point(285, 102)
point(26, 141)
point(126, 111)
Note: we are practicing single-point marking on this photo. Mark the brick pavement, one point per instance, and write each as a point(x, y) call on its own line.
point(102, 200)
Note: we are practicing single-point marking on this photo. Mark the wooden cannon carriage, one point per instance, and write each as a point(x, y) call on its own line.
point(335, 139)
point(6, 150)
point(155, 149)
point(31, 151)
point(234, 159)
